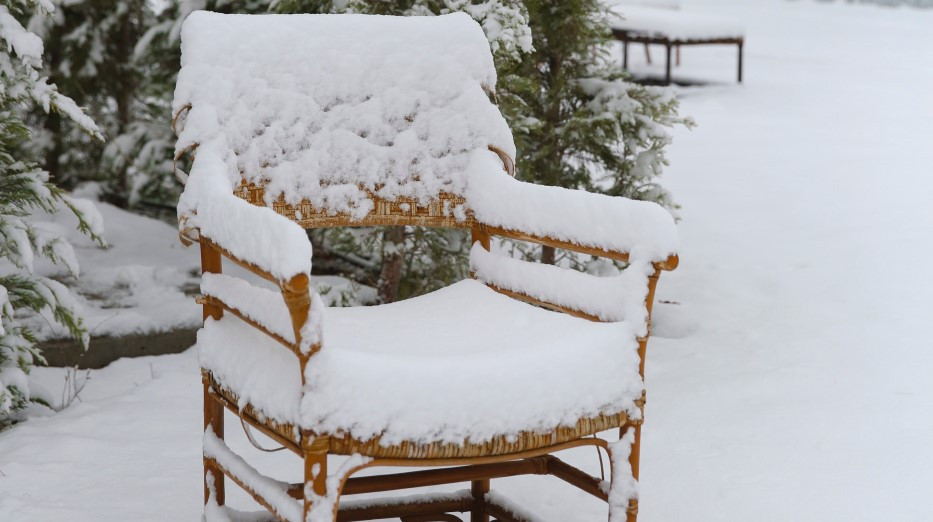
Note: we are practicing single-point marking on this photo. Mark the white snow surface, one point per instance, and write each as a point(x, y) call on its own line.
point(143, 282)
point(612, 298)
point(274, 491)
point(674, 24)
point(404, 372)
point(623, 487)
point(262, 305)
point(257, 235)
point(788, 372)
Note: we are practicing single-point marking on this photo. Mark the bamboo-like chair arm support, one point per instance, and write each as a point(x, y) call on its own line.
point(668, 264)
point(213, 301)
point(296, 292)
point(206, 241)
point(521, 296)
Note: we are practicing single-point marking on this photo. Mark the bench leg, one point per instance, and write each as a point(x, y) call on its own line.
point(479, 489)
point(625, 55)
point(667, 66)
point(213, 417)
point(741, 45)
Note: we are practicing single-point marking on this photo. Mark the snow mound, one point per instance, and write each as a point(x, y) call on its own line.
point(382, 367)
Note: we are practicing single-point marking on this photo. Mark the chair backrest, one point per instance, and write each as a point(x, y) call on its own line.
point(344, 120)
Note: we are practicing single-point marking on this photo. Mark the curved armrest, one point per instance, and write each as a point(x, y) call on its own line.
point(249, 234)
point(597, 224)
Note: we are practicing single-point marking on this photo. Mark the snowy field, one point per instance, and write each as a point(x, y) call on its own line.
point(789, 376)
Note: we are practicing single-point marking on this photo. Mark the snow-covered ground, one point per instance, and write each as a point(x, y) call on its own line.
point(144, 281)
point(789, 374)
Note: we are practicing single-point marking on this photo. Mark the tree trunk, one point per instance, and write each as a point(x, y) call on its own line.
point(53, 126)
point(123, 94)
point(390, 277)
point(548, 255)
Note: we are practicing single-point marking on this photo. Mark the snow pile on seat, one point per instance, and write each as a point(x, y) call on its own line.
point(329, 108)
point(675, 24)
point(616, 298)
point(434, 368)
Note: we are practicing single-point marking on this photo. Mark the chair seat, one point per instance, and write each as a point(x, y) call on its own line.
point(462, 365)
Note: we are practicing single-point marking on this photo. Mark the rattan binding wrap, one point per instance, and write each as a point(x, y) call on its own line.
point(344, 444)
point(402, 211)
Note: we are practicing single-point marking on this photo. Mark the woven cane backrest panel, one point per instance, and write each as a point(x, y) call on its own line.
point(402, 211)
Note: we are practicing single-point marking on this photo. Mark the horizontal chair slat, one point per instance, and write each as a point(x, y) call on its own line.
point(544, 304)
point(422, 505)
point(212, 301)
point(244, 264)
point(668, 264)
point(261, 305)
point(270, 493)
point(613, 298)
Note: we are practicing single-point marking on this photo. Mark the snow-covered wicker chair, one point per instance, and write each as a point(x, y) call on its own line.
point(306, 121)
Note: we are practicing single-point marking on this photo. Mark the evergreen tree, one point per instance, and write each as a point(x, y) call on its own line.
point(93, 54)
point(25, 188)
point(577, 121)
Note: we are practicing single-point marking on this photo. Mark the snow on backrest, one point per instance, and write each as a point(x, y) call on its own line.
point(334, 108)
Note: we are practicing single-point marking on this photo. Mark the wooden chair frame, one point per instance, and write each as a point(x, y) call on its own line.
point(477, 464)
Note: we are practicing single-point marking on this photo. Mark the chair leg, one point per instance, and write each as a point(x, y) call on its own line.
point(315, 474)
point(213, 417)
point(634, 461)
point(479, 489)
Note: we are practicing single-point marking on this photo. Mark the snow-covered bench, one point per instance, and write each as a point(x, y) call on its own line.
point(637, 22)
point(306, 121)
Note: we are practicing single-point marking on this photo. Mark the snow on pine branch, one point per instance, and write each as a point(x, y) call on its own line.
point(25, 192)
point(21, 64)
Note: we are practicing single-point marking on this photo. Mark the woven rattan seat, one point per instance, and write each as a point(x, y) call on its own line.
point(519, 342)
point(319, 121)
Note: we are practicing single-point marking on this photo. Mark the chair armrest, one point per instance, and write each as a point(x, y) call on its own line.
point(610, 299)
point(597, 224)
point(249, 234)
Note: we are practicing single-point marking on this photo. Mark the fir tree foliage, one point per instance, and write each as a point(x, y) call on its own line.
point(577, 121)
point(24, 189)
point(95, 53)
